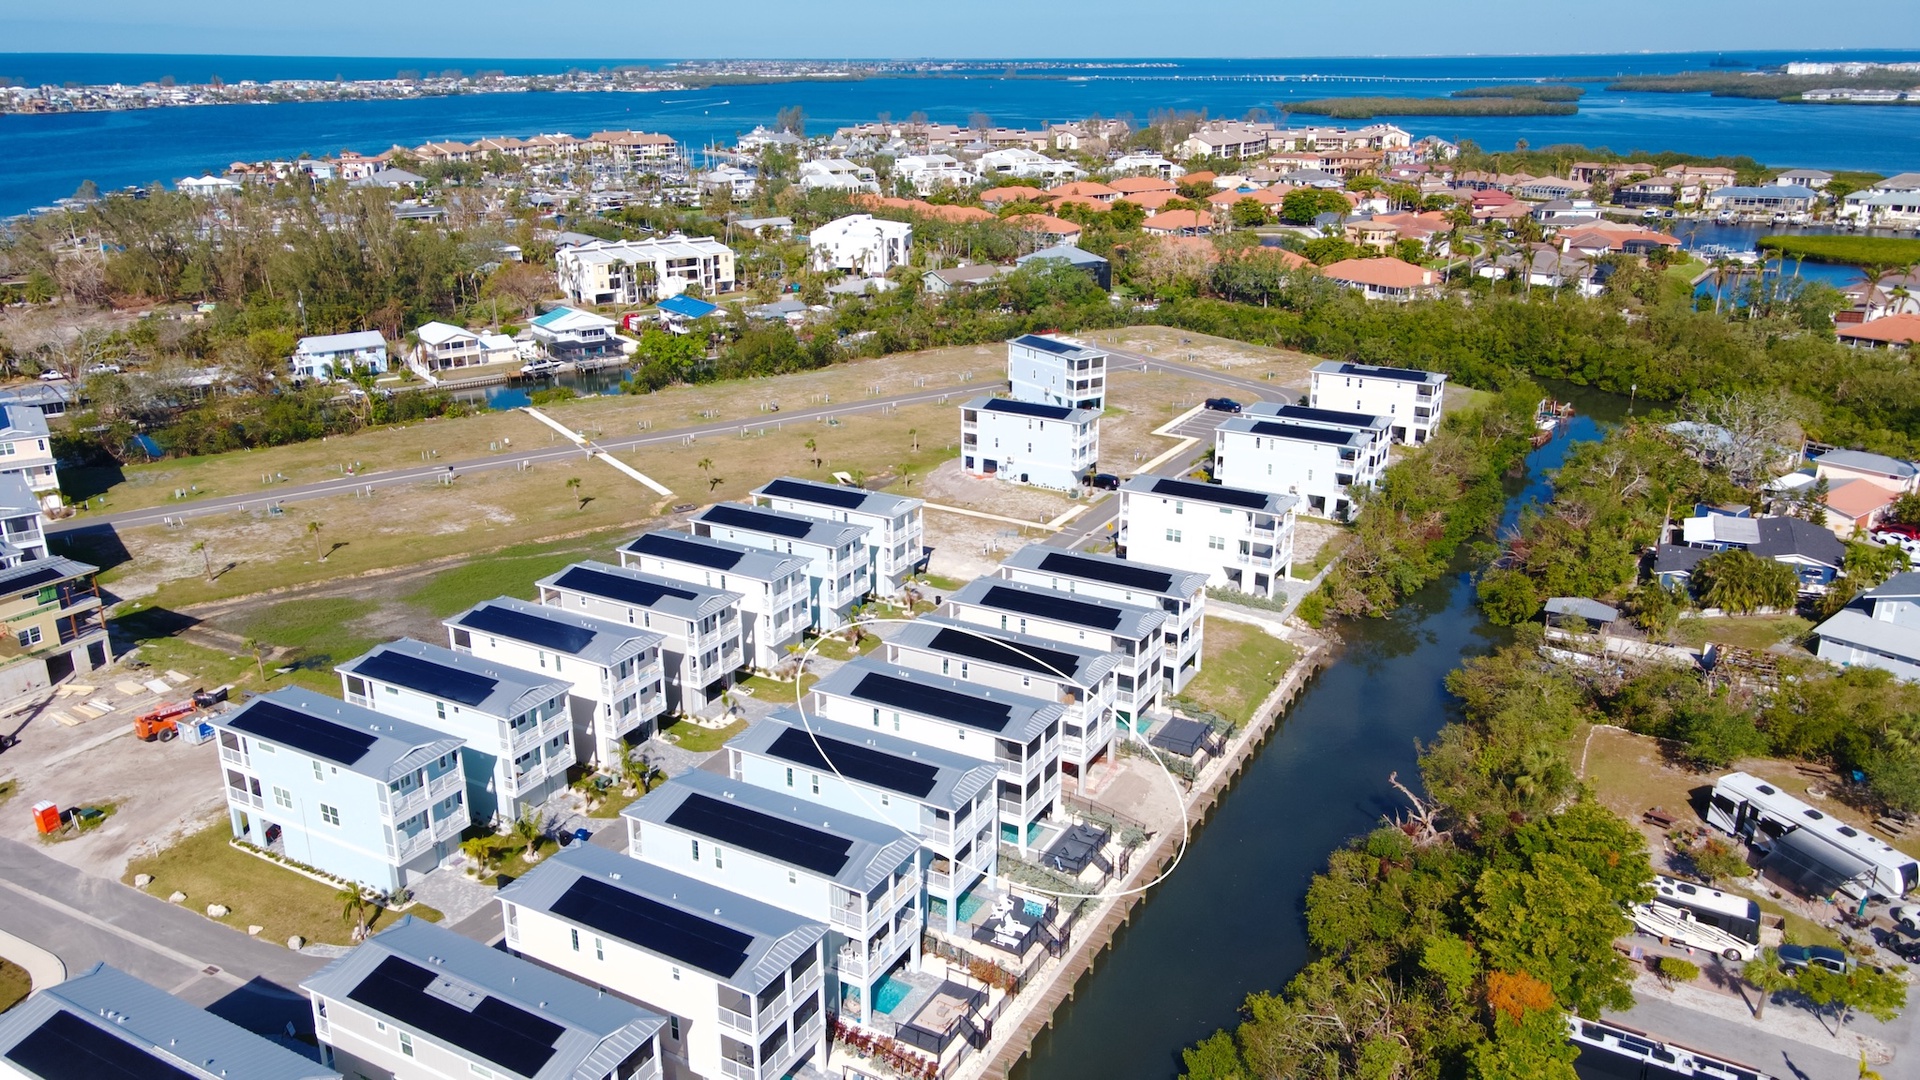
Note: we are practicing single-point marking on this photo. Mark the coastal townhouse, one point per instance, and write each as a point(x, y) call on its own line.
point(1226, 140)
point(1082, 679)
point(944, 799)
point(444, 347)
point(420, 1002)
point(861, 244)
point(1893, 202)
point(1050, 446)
point(104, 1023)
point(26, 450)
point(55, 625)
point(515, 723)
point(571, 335)
point(1053, 370)
point(1414, 400)
point(1018, 735)
point(1148, 164)
point(1385, 278)
point(616, 680)
point(329, 356)
point(838, 564)
point(858, 876)
point(896, 532)
point(837, 174)
point(1610, 172)
point(1182, 594)
point(641, 271)
point(1878, 629)
point(1133, 633)
point(367, 798)
point(1760, 201)
point(1709, 177)
point(928, 173)
point(1240, 538)
point(1811, 179)
point(1326, 458)
point(23, 524)
point(702, 648)
point(739, 982)
point(634, 147)
point(443, 153)
point(1024, 162)
point(1658, 191)
point(776, 605)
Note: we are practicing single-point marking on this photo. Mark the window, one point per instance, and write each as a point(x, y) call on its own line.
point(673, 1022)
point(696, 850)
point(283, 798)
point(816, 780)
point(318, 773)
point(1173, 536)
point(29, 637)
point(789, 777)
point(440, 709)
point(1179, 507)
point(884, 800)
point(599, 949)
point(573, 933)
point(406, 1044)
point(330, 814)
point(793, 878)
point(1217, 543)
point(717, 865)
point(676, 978)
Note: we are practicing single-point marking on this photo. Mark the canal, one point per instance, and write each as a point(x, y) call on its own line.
point(1230, 921)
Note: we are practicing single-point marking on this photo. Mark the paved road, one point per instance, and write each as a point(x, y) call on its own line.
point(1783, 1058)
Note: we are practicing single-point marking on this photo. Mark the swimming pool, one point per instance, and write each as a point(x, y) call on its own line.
point(889, 994)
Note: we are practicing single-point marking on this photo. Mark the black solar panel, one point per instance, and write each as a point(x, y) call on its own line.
point(766, 521)
point(1110, 571)
point(494, 1031)
point(934, 701)
point(1181, 735)
point(677, 549)
point(1028, 408)
point(1023, 657)
point(751, 830)
point(553, 633)
point(856, 762)
point(845, 498)
point(1325, 416)
point(32, 579)
point(1303, 433)
point(1184, 489)
point(627, 590)
point(434, 680)
point(268, 719)
point(1395, 373)
point(1049, 606)
point(65, 1047)
point(1047, 344)
point(655, 926)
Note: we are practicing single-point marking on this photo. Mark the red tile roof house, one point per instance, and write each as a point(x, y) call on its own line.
point(1383, 279)
point(1891, 332)
point(1088, 188)
point(1152, 201)
point(1000, 196)
point(1140, 185)
point(1046, 225)
point(1179, 223)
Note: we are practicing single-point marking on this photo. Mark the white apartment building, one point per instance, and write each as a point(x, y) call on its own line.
point(776, 605)
point(1136, 635)
point(1241, 539)
point(1412, 399)
point(445, 347)
point(616, 679)
point(862, 244)
point(518, 731)
point(929, 173)
point(858, 876)
point(702, 646)
point(837, 174)
point(1326, 458)
point(1050, 446)
point(642, 271)
point(836, 552)
point(1228, 139)
point(1023, 162)
point(1052, 370)
point(26, 451)
point(420, 1002)
point(1182, 594)
point(329, 355)
point(895, 537)
point(739, 981)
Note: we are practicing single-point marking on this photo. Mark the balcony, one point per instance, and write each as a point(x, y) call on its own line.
point(235, 757)
point(407, 848)
point(407, 803)
point(239, 797)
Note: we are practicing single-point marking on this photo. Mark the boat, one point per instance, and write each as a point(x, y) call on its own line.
point(1547, 418)
point(539, 369)
point(1656, 1055)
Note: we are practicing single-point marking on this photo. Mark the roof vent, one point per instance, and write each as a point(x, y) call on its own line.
point(614, 874)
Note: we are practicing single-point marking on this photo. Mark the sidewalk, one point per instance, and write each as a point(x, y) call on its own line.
point(44, 968)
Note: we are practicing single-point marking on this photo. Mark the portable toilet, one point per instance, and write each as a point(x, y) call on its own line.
point(46, 817)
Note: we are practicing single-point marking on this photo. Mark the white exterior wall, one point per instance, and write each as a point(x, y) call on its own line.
point(861, 243)
point(774, 614)
point(1087, 726)
point(1416, 414)
point(607, 703)
point(1183, 637)
point(692, 656)
point(1327, 479)
point(1235, 548)
point(1052, 379)
point(837, 576)
point(1028, 449)
point(1140, 674)
point(893, 544)
point(495, 756)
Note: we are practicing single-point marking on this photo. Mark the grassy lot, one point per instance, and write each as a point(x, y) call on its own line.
point(511, 571)
point(1241, 665)
point(77, 826)
point(14, 985)
point(258, 893)
point(1304, 571)
point(153, 632)
point(1465, 399)
point(835, 647)
point(778, 691)
point(1748, 632)
point(691, 737)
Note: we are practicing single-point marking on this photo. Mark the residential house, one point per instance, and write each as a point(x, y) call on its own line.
point(366, 798)
point(775, 597)
point(1551, 189)
point(1328, 458)
point(1709, 177)
point(1241, 539)
point(207, 187)
point(702, 626)
point(895, 537)
point(1085, 189)
point(1562, 212)
point(26, 451)
point(516, 723)
point(1226, 140)
point(635, 147)
point(1657, 191)
point(1182, 594)
point(995, 198)
point(391, 179)
point(1384, 278)
point(1093, 265)
point(1047, 229)
point(1893, 202)
point(23, 525)
point(1813, 552)
point(1147, 164)
point(1889, 332)
point(767, 227)
point(420, 1002)
point(1051, 446)
point(1414, 399)
point(1178, 223)
point(1748, 201)
point(331, 355)
point(862, 244)
point(570, 335)
point(839, 565)
point(55, 625)
point(1857, 506)
point(444, 347)
point(928, 173)
point(675, 314)
point(1879, 629)
point(1893, 474)
point(735, 182)
point(51, 397)
point(957, 278)
point(1610, 172)
point(640, 271)
point(1811, 179)
point(1053, 370)
point(837, 174)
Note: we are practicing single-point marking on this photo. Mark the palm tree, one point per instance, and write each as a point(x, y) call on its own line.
point(313, 530)
point(354, 908)
point(1765, 975)
point(206, 556)
point(573, 489)
point(259, 649)
point(528, 827)
point(642, 773)
point(705, 465)
point(914, 433)
point(480, 851)
point(813, 449)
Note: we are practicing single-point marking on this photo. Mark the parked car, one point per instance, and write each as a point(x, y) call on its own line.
point(1104, 480)
point(1903, 947)
point(1223, 404)
point(1906, 916)
point(1797, 957)
point(1894, 528)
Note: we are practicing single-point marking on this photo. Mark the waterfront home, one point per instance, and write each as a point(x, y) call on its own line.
point(739, 981)
point(328, 356)
point(1561, 212)
point(1890, 473)
point(839, 567)
point(103, 1023)
point(1812, 551)
point(443, 347)
point(634, 147)
point(23, 525)
point(642, 271)
point(55, 625)
point(702, 647)
point(419, 1002)
point(1182, 594)
point(1050, 446)
point(837, 174)
point(1890, 332)
point(1093, 265)
point(1240, 538)
point(1383, 279)
point(1412, 398)
point(1879, 629)
point(1811, 179)
point(735, 182)
point(26, 451)
point(1893, 202)
point(895, 539)
point(1327, 458)
point(1228, 139)
point(862, 244)
point(616, 679)
point(1550, 189)
point(1760, 200)
point(515, 723)
point(858, 876)
point(1054, 370)
point(570, 335)
point(1657, 191)
point(775, 598)
point(371, 799)
point(207, 187)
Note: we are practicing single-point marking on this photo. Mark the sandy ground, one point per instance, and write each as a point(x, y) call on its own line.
point(1248, 361)
point(1310, 536)
point(948, 483)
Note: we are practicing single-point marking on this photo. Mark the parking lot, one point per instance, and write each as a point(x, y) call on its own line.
point(1201, 425)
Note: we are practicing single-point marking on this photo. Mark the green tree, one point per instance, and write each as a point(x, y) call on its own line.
point(1248, 213)
point(354, 909)
point(1508, 597)
point(1740, 582)
point(1213, 1058)
point(1767, 978)
point(530, 827)
point(1555, 921)
point(1302, 205)
point(313, 530)
point(1534, 1046)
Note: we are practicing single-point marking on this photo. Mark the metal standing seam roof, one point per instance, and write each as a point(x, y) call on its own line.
point(1130, 621)
point(1592, 610)
point(1851, 626)
point(845, 848)
point(711, 553)
point(1372, 371)
point(1029, 655)
point(1863, 461)
point(640, 589)
point(876, 759)
point(104, 1024)
point(1108, 570)
point(783, 524)
point(1217, 494)
point(659, 911)
point(490, 1004)
point(839, 496)
point(594, 640)
point(1002, 713)
point(357, 739)
point(42, 572)
point(333, 343)
point(487, 686)
point(1065, 253)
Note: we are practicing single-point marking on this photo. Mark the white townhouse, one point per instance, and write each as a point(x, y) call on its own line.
point(929, 173)
point(26, 451)
point(1083, 680)
point(23, 525)
point(775, 599)
point(369, 798)
point(836, 552)
point(1241, 539)
point(420, 1002)
point(1024, 162)
point(1050, 446)
point(895, 532)
point(1893, 202)
point(1182, 594)
point(616, 680)
point(516, 725)
point(642, 271)
point(837, 174)
point(1053, 370)
point(1146, 164)
point(1328, 459)
point(1228, 139)
point(328, 356)
point(862, 244)
point(1413, 399)
point(1133, 633)
point(857, 875)
point(445, 347)
point(943, 798)
point(104, 1024)
point(700, 626)
point(569, 334)
point(1018, 735)
point(739, 981)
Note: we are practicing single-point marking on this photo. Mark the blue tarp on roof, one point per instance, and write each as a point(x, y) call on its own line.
point(687, 307)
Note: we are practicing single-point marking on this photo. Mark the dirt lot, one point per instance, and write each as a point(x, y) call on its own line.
point(1247, 361)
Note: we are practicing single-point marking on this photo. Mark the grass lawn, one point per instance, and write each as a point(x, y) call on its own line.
point(511, 571)
point(615, 800)
point(14, 985)
point(777, 691)
point(1748, 632)
point(77, 826)
point(835, 647)
point(1241, 666)
point(512, 862)
point(1465, 399)
point(691, 737)
point(258, 893)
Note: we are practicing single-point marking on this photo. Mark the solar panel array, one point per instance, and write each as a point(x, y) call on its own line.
point(1303, 433)
point(32, 579)
point(552, 633)
point(267, 719)
point(667, 546)
point(627, 590)
point(845, 498)
point(495, 1030)
point(1324, 416)
point(1184, 489)
point(776, 838)
point(434, 680)
point(990, 650)
point(654, 926)
point(863, 763)
point(987, 715)
point(1027, 408)
point(1049, 605)
point(766, 521)
point(1395, 373)
point(1049, 345)
point(65, 1047)
point(1110, 571)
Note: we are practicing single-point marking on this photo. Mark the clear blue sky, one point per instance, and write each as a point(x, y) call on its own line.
point(981, 28)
